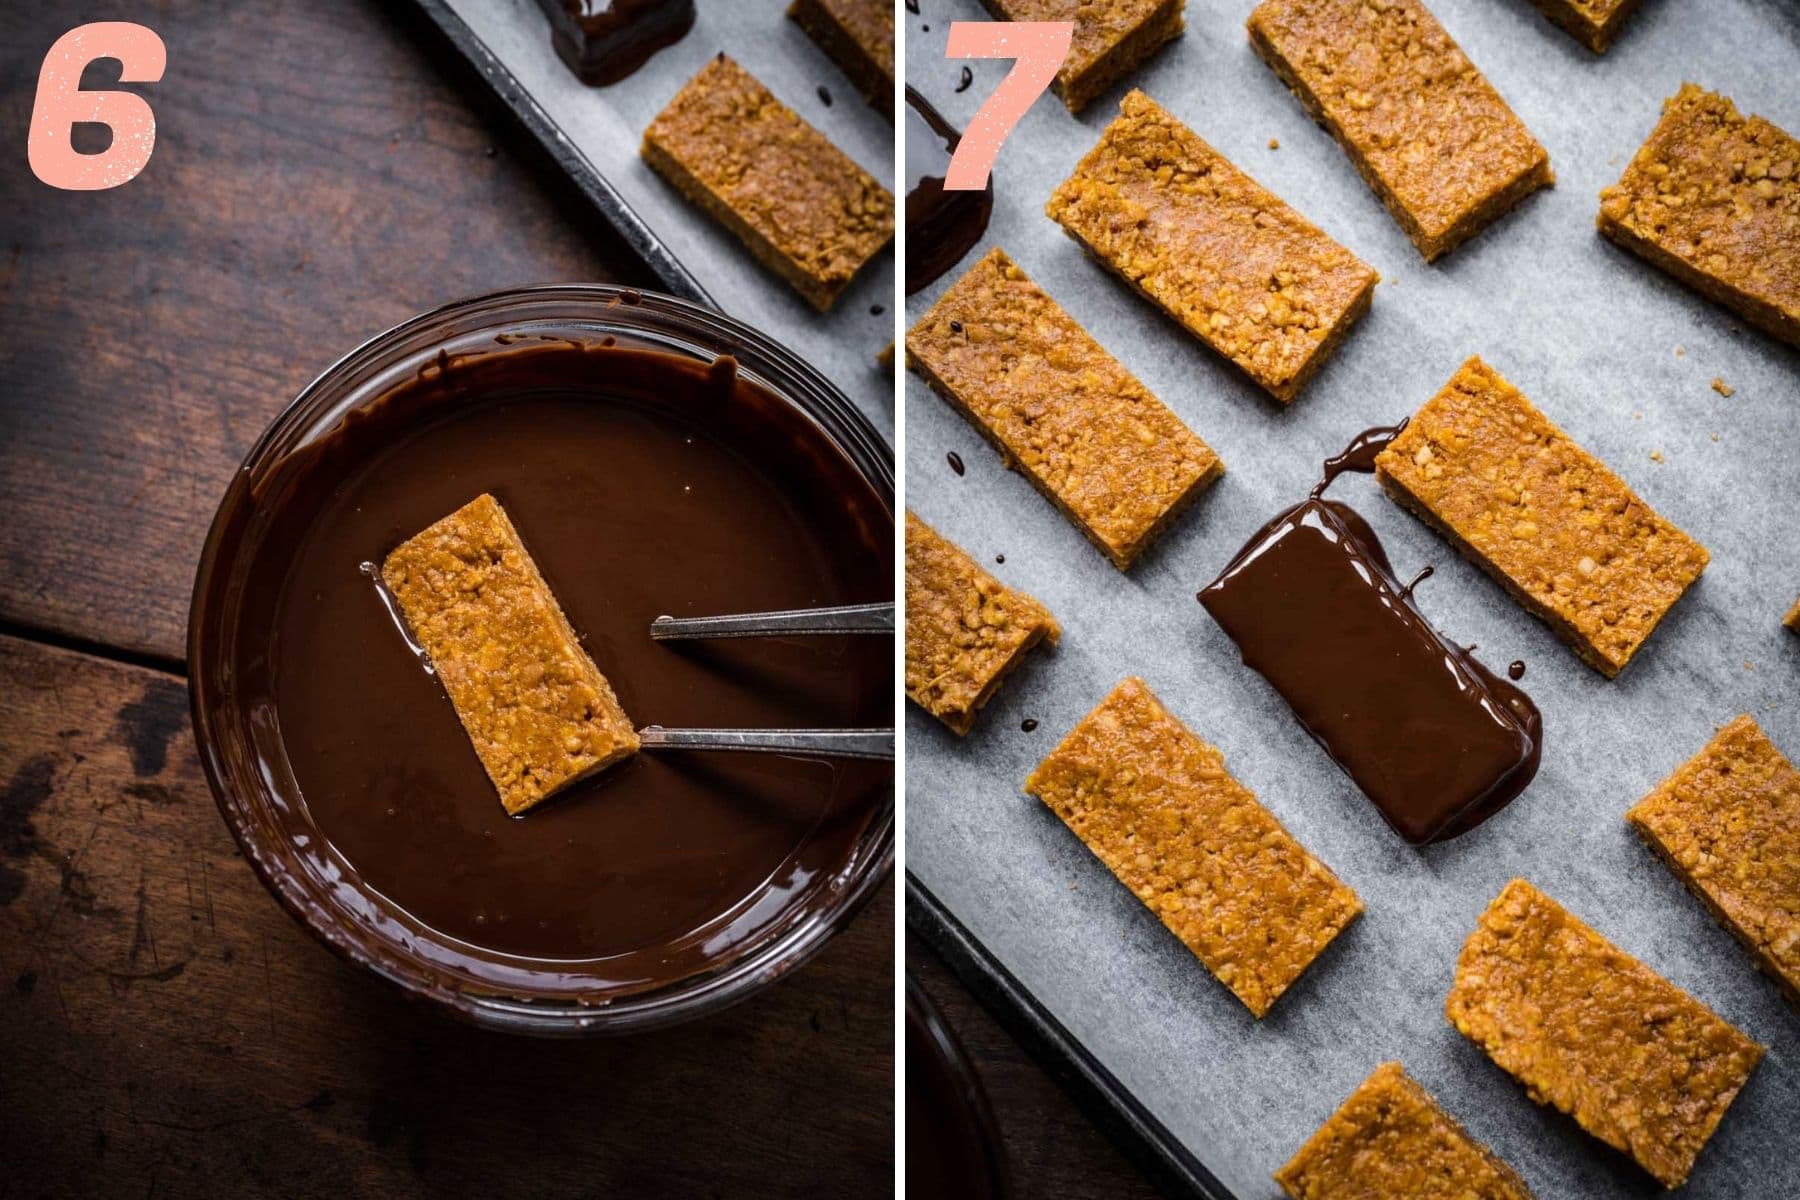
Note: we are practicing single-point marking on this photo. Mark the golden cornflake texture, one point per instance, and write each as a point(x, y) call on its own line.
point(537, 710)
point(1235, 266)
point(1638, 1062)
point(1059, 408)
point(1112, 38)
point(1713, 198)
point(1568, 538)
point(965, 630)
point(1425, 129)
point(858, 35)
point(1728, 824)
point(1593, 23)
point(803, 208)
point(1391, 1141)
point(1792, 620)
point(1157, 806)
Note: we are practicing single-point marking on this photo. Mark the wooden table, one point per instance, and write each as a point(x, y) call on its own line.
point(164, 1027)
point(1052, 1150)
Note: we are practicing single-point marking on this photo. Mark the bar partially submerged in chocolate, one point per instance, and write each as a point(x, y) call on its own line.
point(1433, 738)
point(537, 710)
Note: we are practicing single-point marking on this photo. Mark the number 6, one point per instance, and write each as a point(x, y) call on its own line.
point(61, 105)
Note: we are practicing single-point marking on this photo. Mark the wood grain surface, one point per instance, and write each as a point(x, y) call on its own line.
point(318, 176)
point(1053, 1152)
point(165, 1028)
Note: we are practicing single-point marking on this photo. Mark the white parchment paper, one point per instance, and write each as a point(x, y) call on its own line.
point(607, 124)
point(1612, 350)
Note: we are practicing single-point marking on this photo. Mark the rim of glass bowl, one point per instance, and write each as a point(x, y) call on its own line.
point(585, 310)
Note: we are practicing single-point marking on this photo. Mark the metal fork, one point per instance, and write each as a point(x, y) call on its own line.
point(801, 622)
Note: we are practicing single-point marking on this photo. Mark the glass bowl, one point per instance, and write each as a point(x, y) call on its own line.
point(255, 791)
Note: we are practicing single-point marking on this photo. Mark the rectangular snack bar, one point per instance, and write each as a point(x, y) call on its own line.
point(1727, 822)
point(803, 208)
point(536, 708)
point(1713, 198)
point(1638, 1062)
point(858, 35)
point(1235, 266)
point(1423, 127)
point(1157, 806)
point(1391, 1140)
point(1568, 538)
point(1112, 38)
point(1060, 409)
point(1593, 23)
point(965, 630)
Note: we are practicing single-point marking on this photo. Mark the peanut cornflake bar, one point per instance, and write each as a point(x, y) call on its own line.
point(1391, 1141)
point(965, 630)
point(1713, 198)
point(858, 35)
point(1638, 1062)
point(536, 708)
point(803, 208)
point(1157, 806)
point(1059, 408)
point(1112, 38)
point(1568, 538)
point(1423, 127)
point(1728, 824)
point(1235, 266)
point(1593, 23)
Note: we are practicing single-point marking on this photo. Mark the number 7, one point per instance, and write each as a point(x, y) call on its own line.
point(1038, 49)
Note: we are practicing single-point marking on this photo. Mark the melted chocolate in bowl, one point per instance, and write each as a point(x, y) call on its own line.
point(642, 483)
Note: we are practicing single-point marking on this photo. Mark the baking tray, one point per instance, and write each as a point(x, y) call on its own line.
point(1612, 350)
point(593, 133)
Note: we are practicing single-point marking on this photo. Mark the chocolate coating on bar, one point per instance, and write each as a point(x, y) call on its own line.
point(1432, 737)
point(603, 41)
point(941, 226)
point(649, 484)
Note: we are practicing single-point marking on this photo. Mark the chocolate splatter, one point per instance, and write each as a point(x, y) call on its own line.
point(149, 723)
point(20, 800)
point(999, 558)
point(875, 310)
point(825, 95)
point(955, 461)
point(1516, 669)
point(1028, 724)
point(968, 77)
point(155, 793)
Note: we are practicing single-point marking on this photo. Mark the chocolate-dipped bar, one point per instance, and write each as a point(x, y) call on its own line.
point(643, 483)
point(1435, 739)
point(538, 711)
point(603, 41)
point(940, 225)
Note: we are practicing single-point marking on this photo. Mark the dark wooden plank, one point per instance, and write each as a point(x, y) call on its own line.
point(165, 1028)
point(317, 177)
point(1052, 1150)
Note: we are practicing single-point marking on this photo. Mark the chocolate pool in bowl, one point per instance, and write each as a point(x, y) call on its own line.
point(655, 458)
